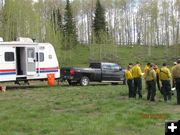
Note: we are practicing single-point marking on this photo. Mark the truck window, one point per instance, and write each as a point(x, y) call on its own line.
point(115, 67)
point(9, 56)
point(106, 67)
point(95, 65)
point(111, 66)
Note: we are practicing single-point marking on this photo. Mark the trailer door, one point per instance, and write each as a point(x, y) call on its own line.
point(31, 65)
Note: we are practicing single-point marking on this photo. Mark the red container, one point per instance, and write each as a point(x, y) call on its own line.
point(51, 79)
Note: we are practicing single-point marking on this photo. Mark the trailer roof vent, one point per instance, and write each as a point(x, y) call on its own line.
point(1, 39)
point(24, 39)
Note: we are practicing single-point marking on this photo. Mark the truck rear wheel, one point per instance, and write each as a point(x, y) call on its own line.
point(84, 81)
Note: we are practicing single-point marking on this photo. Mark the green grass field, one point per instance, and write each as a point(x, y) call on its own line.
point(100, 109)
point(83, 54)
point(92, 110)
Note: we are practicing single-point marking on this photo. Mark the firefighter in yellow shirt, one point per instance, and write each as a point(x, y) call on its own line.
point(137, 74)
point(164, 76)
point(146, 69)
point(157, 77)
point(151, 82)
point(129, 78)
point(176, 77)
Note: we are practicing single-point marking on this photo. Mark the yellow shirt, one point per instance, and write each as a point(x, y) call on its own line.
point(136, 71)
point(176, 71)
point(164, 73)
point(146, 68)
point(150, 74)
point(157, 70)
point(128, 75)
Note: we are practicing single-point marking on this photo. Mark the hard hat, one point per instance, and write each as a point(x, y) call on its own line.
point(175, 63)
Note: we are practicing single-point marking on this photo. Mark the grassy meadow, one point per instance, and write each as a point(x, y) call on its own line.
point(98, 109)
point(83, 54)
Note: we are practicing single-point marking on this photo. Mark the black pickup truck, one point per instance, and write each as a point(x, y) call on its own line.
point(97, 72)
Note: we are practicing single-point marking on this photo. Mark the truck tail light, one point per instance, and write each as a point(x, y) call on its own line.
point(72, 72)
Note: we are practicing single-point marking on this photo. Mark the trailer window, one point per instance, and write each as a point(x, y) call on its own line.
point(30, 53)
point(40, 57)
point(9, 56)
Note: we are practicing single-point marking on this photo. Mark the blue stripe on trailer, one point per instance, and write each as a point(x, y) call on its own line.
point(8, 73)
point(47, 71)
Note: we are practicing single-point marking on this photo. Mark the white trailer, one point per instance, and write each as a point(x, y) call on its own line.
point(24, 60)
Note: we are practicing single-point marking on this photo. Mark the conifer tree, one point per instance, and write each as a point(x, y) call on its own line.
point(99, 24)
point(70, 38)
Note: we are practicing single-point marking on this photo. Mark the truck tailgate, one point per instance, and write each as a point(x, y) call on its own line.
point(65, 71)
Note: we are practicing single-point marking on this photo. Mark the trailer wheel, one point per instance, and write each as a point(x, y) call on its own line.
point(84, 81)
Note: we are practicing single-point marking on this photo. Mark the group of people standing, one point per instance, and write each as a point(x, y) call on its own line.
point(154, 77)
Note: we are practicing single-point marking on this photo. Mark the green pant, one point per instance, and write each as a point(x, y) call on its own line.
point(151, 87)
point(130, 87)
point(138, 87)
point(178, 90)
point(166, 87)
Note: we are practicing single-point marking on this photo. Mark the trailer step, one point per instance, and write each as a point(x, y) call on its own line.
point(21, 78)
